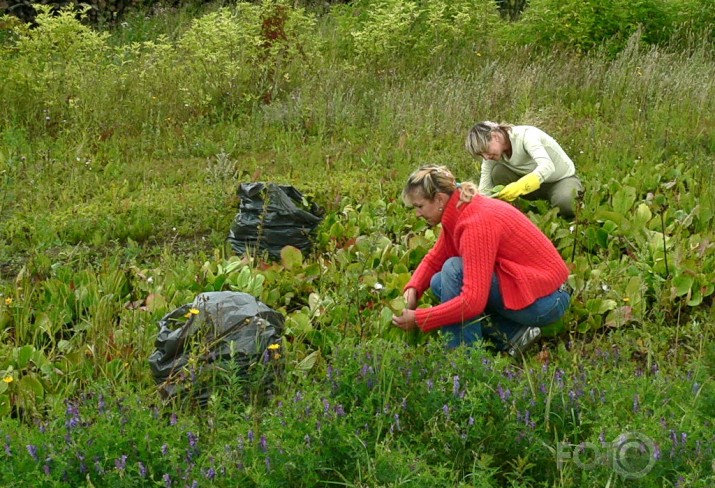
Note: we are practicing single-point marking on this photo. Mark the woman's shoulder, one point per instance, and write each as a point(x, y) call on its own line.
point(527, 130)
point(486, 208)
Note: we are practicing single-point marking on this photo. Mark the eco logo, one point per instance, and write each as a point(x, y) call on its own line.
point(632, 455)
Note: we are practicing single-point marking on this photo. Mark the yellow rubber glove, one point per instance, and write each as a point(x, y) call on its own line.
point(522, 186)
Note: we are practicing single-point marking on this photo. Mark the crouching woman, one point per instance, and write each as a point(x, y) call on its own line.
point(489, 259)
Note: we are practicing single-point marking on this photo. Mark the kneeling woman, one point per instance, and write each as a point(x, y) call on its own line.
point(488, 259)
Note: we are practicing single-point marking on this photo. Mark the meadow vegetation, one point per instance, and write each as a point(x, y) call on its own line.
point(121, 151)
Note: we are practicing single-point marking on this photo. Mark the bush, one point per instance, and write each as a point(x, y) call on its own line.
point(587, 25)
point(385, 32)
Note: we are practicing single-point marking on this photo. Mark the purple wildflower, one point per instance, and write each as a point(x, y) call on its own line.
point(142, 470)
point(339, 410)
point(430, 384)
point(32, 450)
point(164, 449)
point(251, 436)
point(121, 463)
point(471, 420)
point(193, 439)
point(445, 409)
point(455, 385)
point(298, 397)
point(46, 469)
point(210, 474)
point(365, 369)
point(173, 420)
point(72, 423)
point(167, 480)
point(559, 377)
point(264, 443)
point(656, 452)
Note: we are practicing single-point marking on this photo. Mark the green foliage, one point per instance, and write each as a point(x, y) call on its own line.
point(590, 25)
point(417, 31)
point(375, 415)
point(115, 210)
point(253, 53)
point(46, 67)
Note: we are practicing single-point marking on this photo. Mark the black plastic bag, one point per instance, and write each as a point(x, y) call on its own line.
point(219, 331)
point(271, 217)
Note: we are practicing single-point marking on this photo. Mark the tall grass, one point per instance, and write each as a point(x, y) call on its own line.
point(120, 157)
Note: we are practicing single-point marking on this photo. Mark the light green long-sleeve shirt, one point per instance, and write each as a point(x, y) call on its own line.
point(532, 151)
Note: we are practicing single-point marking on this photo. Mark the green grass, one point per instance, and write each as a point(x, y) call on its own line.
point(119, 171)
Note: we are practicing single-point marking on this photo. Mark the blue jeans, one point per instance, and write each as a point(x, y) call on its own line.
point(503, 324)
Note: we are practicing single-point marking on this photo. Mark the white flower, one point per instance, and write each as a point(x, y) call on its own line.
point(378, 286)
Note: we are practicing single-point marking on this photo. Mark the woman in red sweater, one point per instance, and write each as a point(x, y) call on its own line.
point(489, 260)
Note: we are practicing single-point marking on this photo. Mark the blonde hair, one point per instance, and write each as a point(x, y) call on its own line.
point(431, 179)
point(479, 136)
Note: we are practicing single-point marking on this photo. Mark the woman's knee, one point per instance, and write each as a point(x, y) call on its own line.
point(453, 267)
point(563, 196)
point(565, 205)
point(436, 285)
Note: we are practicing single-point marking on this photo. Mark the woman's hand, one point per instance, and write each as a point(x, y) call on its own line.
point(410, 296)
point(406, 321)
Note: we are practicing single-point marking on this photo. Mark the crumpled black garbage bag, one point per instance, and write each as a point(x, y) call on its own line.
point(271, 217)
point(224, 329)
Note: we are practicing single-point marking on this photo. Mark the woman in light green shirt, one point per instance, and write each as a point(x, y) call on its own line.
point(527, 161)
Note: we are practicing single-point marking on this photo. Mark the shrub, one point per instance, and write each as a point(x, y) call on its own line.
point(587, 25)
point(389, 32)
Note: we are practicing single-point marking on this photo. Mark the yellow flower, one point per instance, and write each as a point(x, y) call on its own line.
point(274, 347)
point(192, 311)
point(8, 379)
point(8, 301)
point(626, 299)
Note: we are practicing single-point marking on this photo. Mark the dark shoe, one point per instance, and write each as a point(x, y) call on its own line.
point(523, 340)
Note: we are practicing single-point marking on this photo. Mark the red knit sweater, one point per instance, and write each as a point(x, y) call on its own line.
point(490, 236)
